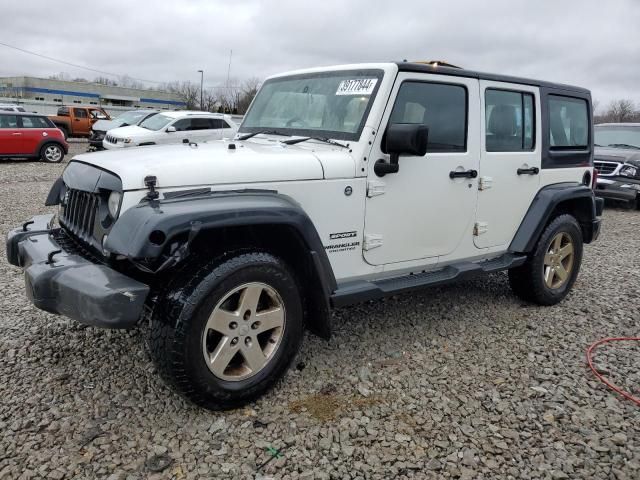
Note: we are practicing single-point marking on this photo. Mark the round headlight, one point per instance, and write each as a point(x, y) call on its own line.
point(114, 203)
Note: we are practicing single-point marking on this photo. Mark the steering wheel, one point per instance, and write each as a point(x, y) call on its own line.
point(296, 120)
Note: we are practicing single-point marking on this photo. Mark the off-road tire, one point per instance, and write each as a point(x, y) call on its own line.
point(527, 281)
point(46, 157)
point(179, 317)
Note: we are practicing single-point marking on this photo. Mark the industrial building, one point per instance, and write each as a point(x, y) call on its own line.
point(46, 95)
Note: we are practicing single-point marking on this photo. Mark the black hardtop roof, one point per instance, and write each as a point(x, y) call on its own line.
point(461, 72)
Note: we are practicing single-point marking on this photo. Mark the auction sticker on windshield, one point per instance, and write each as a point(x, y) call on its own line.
point(359, 86)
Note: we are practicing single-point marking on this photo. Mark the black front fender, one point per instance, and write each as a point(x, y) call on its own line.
point(131, 235)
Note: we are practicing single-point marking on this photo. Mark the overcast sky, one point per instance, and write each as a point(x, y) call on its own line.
point(594, 44)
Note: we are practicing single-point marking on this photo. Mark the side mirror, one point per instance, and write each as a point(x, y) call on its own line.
point(171, 129)
point(402, 139)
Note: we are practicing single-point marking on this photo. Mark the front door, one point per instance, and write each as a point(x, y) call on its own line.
point(10, 135)
point(81, 122)
point(510, 160)
point(421, 211)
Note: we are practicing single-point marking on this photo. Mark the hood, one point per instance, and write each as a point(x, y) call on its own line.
point(106, 125)
point(620, 155)
point(130, 131)
point(214, 163)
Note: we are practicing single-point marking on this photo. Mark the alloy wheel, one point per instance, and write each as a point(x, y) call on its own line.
point(558, 261)
point(244, 331)
point(53, 153)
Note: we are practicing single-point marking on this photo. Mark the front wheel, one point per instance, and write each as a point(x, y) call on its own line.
point(553, 266)
point(225, 334)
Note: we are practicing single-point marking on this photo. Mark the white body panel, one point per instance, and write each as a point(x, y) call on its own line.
point(425, 219)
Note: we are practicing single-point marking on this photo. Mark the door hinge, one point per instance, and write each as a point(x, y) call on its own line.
point(375, 188)
point(485, 183)
point(480, 227)
point(372, 241)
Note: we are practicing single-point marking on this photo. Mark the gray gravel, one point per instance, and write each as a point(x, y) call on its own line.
point(456, 382)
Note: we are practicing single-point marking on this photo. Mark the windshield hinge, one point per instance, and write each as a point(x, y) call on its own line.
point(375, 188)
point(150, 182)
point(372, 241)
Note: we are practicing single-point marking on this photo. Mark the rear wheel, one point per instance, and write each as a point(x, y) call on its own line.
point(225, 334)
point(52, 153)
point(64, 131)
point(552, 268)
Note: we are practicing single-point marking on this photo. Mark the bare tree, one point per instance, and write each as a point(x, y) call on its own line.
point(620, 111)
point(187, 92)
point(248, 90)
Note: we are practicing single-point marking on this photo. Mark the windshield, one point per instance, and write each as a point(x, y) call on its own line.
point(131, 118)
point(325, 104)
point(156, 122)
point(617, 136)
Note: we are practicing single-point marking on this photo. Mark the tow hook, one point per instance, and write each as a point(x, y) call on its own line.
point(26, 224)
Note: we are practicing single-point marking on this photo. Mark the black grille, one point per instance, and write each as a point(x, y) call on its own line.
point(79, 213)
point(111, 139)
point(605, 168)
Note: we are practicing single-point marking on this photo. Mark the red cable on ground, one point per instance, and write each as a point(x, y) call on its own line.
point(600, 377)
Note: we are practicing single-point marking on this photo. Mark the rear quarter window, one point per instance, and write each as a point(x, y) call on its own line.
point(568, 123)
point(566, 127)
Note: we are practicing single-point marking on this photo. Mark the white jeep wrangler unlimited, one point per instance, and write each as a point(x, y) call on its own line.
point(344, 184)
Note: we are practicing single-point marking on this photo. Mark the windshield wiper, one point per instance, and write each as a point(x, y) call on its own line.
point(623, 145)
point(247, 136)
point(293, 141)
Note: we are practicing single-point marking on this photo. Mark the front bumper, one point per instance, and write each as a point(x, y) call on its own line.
point(617, 189)
point(68, 284)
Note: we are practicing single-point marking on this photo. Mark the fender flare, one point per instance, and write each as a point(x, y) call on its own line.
point(543, 206)
point(130, 235)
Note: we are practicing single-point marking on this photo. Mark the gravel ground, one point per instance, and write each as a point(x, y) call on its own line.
point(461, 382)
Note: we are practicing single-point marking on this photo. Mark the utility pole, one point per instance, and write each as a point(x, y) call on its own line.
point(228, 93)
point(201, 89)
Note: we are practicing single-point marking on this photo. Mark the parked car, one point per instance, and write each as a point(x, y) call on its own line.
point(6, 107)
point(77, 121)
point(344, 184)
point(617, 159)
point(101, 127)
point(29, 135)
point(172, 127)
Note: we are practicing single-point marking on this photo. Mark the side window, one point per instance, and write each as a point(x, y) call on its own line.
point(79, 113)
point(568, 123)
point(182, 125)
point(218, 123)
point(8, 121)
point(201, 124)
point(441, 107)
point(509, 120)
point(34, 122)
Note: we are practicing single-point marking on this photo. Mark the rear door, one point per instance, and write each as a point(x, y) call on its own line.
point(10, 135)
point(510, 160)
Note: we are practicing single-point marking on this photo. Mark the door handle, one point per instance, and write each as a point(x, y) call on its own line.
point(464, 174)
point(16, 133)
point(528, 171)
